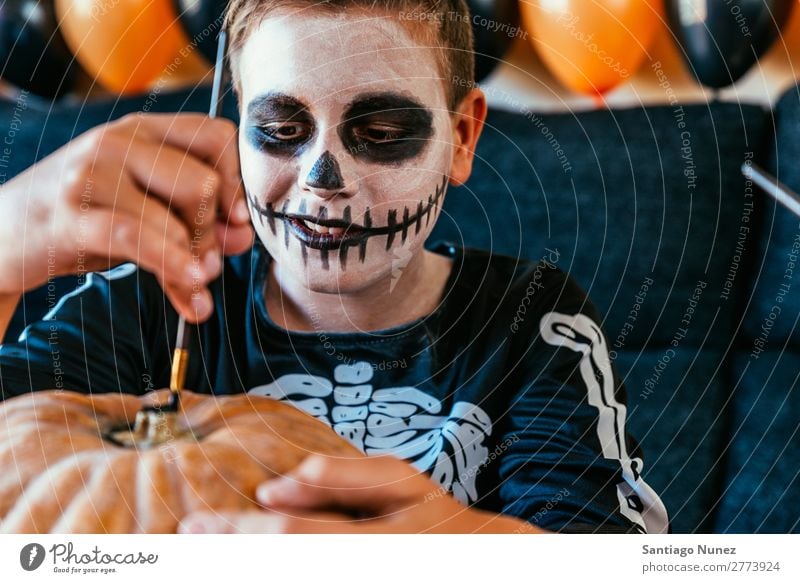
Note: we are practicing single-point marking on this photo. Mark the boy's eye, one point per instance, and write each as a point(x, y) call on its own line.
point(379, 134)
point(285, 131)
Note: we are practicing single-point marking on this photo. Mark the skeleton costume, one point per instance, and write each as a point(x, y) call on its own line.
point(505, 395)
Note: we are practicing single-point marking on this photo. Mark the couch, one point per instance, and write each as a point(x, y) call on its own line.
point(696, 273)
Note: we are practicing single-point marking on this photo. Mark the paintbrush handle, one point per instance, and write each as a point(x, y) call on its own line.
point(773, 187)
point(180, 358)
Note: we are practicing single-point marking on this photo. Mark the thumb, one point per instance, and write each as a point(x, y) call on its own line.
point(371, 484)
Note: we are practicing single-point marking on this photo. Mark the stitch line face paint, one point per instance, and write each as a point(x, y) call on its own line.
point(270, 217)
point(285, 226)
point(347, 218)
point(314, 231)
point(362, 246)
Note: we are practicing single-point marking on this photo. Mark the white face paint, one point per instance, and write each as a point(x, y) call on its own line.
point(345, 145)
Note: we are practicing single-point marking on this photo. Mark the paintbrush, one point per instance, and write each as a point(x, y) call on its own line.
point(773, 187)
point(180, 357)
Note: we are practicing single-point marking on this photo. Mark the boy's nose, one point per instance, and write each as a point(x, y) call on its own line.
point(325, 173)
point(325, 177)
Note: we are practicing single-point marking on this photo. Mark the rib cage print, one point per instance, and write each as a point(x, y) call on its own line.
point(401, 421)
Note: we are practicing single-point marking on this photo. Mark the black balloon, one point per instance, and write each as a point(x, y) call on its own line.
point(202, 20)
point(33, 54)
point(721, 40)
point(495, 24)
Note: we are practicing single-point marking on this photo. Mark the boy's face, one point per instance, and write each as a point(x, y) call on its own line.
point(345, 143)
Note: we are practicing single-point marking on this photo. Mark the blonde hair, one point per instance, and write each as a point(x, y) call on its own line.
point(443, 25)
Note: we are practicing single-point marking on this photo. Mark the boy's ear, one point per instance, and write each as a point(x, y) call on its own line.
point(467, 126)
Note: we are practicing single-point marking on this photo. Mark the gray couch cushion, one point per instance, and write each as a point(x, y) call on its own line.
point(773, 315)
point(676, 402)
point(638, 195)
point(761, 471)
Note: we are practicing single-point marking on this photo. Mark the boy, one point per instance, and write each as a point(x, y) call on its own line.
point(488, 374)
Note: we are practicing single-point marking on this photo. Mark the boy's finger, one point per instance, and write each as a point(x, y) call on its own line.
point(189, 186)
point(213, 140)
point(122, 237)
point(131, 200)
point(194, 304)
point(364, 483)
point(235, 240)
point(164, 227)
point(233, 206)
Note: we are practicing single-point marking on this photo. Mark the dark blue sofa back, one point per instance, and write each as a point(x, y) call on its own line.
point(762, 463)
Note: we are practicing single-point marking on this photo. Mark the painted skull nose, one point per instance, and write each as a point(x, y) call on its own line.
point(325, 174)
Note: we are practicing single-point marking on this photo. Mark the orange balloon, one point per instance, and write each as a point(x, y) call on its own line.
point(124, 44)
point(788, 45)
point(187, 67)
point(592, 45)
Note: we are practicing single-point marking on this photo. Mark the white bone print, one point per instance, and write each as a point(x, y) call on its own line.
point(400, 421)
point(638, 501)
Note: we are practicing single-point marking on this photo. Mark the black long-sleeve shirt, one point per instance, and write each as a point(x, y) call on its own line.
point(505, 395)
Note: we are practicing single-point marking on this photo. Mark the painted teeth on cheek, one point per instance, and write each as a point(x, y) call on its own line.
point(304, 251)
point(405, 225)
point(348, 218)
point(362, 246)
point(360, 239)
point(428, 210)
point(323, 253)
point(392, 221)
point(270, 217)
point(323, 256)
point(285, 224)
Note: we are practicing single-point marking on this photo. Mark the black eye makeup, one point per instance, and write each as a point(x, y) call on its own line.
point(278, 124)
point(386, 128)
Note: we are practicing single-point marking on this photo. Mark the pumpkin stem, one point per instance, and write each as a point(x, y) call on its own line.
point(151, 428)
point(161, 426)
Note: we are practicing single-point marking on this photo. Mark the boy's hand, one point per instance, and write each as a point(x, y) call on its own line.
point(161, 190)
point(323, 495)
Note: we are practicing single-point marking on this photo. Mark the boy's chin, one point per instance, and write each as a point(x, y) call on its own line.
point(354, 277)
point(351, 281)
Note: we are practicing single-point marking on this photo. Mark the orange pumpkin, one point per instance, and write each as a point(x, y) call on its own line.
point(64, 468)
